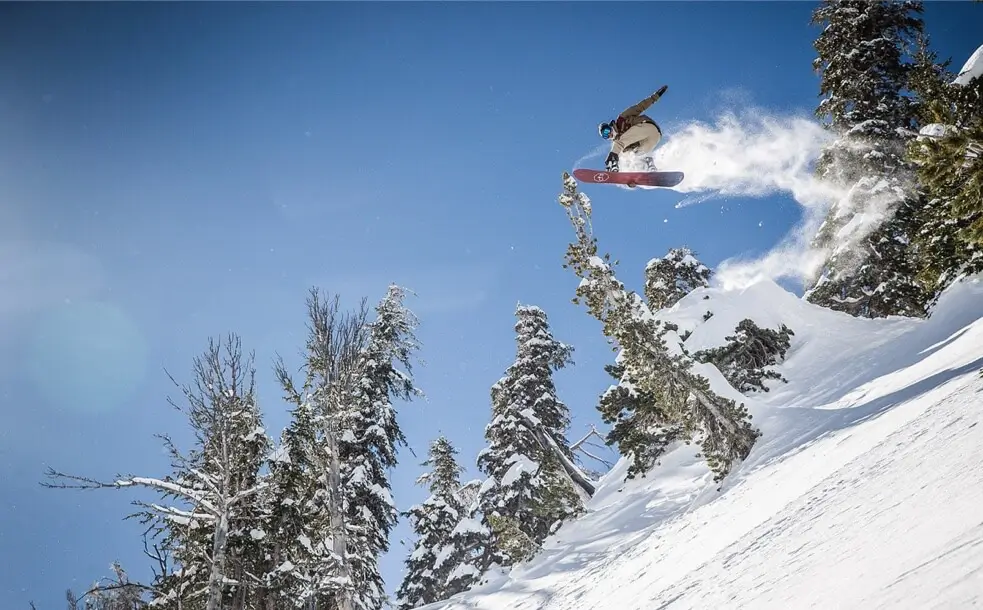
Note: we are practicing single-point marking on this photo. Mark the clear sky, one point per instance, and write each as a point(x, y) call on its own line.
point(170, 172)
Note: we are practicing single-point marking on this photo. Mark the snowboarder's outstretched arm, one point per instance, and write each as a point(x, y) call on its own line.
point(643, 105)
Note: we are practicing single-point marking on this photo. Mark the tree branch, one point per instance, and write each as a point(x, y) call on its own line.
point(579, 446)
point(547, 441)
point(157, 484)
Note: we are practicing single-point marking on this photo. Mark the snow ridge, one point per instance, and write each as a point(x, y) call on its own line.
point(868, 476)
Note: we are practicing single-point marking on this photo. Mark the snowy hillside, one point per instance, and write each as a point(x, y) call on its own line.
point(973, 68)
point(864, 491)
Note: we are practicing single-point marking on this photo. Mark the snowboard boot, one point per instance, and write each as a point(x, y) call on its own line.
point(611, 163)
point(649, 164)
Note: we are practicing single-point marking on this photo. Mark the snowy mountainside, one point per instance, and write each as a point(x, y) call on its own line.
point(863, 492)
point(973, 68)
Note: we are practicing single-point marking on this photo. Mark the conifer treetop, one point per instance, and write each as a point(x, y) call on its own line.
point(671, 277)
point(653, 356)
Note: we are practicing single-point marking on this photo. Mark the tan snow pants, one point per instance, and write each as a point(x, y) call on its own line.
point(645, 135)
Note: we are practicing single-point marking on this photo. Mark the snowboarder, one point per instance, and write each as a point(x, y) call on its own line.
point(633, 132)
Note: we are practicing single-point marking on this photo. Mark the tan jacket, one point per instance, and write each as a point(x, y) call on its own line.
point(632, 115)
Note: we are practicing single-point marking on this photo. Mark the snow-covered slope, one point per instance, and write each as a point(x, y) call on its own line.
point(973, 68)
point(865, 490)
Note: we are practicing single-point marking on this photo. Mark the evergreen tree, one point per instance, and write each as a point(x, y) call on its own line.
point(683, 406)
point(231, 451)
point(641, 428)
point(300, 558)
point(527, 440)
point(949, 159)
point(330, 509)
point(670, 278)
point(369, 444)
point(433, 521)
point(469, 550)
point(870, 269)
point(625, 404)
point(750, 350)
point(325, 547)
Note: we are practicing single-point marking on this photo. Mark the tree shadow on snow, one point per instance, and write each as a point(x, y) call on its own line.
point(520, 596)
point(616, 529)
point(790, 430)
point(953, 317)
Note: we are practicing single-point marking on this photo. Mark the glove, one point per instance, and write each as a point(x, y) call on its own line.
point(661, 90)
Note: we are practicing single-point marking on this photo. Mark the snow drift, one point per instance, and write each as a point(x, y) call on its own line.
point(863, 492)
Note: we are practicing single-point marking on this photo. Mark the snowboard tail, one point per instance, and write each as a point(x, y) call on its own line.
point(658, 178)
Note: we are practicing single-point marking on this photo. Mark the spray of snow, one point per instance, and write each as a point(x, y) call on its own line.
point(753, 153)
point(749, 154)
point(601, 150)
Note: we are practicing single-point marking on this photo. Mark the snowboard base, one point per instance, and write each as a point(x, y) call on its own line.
point(663, 179)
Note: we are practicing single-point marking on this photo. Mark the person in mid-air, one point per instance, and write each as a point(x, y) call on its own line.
point(633, 132)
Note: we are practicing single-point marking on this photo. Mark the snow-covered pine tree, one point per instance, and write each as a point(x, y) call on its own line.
point(529, 489)
point(210, 498)
point(371, 435)
point(870, 268)
point(748, 353)
point(938, 250)
point(240, 442)
point(639, 426)
point(300, 559)
point(685, 407)
point(667, 280)
point(469, 550)
point(670, 278)
point(949, 160)
point(433, 521)
point(334, 366)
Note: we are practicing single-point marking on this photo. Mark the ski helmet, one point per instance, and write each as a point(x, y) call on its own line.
point(606, 130)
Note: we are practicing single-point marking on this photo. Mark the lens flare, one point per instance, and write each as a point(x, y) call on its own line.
point(86, 357)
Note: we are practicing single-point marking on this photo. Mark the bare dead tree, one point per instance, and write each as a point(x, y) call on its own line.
point(584, 442)
point(208, 477)
point(117, 593)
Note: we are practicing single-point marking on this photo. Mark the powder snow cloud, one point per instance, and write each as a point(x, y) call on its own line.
point(753, 153)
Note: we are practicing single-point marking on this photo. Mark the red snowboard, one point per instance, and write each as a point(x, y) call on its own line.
point(662, 179)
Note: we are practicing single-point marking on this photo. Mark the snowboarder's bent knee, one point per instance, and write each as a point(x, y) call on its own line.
point(632, 132)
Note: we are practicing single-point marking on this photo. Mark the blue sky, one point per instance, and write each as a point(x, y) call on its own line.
point(170, 172)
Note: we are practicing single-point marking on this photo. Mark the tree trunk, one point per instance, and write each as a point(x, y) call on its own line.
point(547, 441)
point(217, 575)
point(339, 531)
point(571, 469)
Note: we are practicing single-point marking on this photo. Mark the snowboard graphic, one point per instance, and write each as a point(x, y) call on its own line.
point(660, 178)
